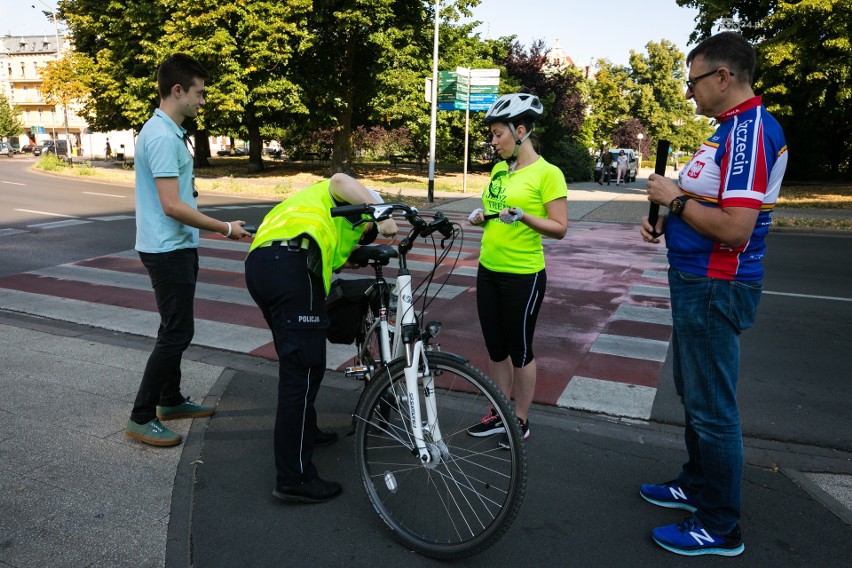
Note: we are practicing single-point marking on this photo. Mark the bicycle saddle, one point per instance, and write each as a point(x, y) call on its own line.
point(380, 254)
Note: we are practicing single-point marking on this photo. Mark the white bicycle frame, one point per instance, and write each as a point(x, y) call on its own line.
point(413, 353)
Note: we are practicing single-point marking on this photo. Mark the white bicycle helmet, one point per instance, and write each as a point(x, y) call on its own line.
point(510, 108)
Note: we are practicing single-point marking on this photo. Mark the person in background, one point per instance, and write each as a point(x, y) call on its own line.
point(288, 274)
point(620, 168)
point(167, 226)
point(720, 210)
point(606, 166)
point(530, 197)
point(108, 150)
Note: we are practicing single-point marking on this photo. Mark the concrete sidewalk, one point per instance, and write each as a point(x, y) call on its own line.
point(76, 492)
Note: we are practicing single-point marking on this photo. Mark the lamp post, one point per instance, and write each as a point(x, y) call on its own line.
point(639, 136)
point(55, 25)
point(434, 119)
point(58, 57)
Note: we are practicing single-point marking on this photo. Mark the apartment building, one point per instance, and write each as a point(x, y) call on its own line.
point(21, 61)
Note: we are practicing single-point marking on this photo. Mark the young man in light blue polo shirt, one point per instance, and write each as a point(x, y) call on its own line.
point(167, 225)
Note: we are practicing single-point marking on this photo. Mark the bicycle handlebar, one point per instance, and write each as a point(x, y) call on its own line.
point(346, 210)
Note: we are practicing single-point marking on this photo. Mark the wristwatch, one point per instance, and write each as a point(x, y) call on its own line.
point(677, 204)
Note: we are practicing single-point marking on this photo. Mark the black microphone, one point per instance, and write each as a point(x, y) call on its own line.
point(659, 169)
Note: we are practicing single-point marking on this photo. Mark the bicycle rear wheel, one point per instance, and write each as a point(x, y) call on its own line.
point(469, 495)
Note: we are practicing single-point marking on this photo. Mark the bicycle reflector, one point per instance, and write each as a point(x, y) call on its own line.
point(433, 328)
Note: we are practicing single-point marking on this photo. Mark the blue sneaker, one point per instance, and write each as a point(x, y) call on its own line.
point(669, 495)
point(691, 539)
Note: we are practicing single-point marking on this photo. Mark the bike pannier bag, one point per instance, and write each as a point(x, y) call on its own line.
point(345, 304)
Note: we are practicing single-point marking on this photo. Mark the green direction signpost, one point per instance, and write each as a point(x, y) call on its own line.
point(468, 90)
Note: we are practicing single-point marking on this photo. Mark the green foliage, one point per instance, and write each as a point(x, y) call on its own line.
point(804, 74)
point(10, 119)
point(51, 163)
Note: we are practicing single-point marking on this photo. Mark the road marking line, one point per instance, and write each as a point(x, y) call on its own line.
point(225, 336)
point(46, 213)
point(631, 347)
point(608, 397)
point(7, 232)
point(12, 183)
point(112, 218)
point(643, 314)
point(808, 296)
point(652, 291)
point(57, 224)
point(104, 194)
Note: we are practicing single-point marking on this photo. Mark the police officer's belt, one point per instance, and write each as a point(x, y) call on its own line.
point(299, 243)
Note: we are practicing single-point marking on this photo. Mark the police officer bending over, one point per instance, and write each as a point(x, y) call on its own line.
point(288, 273)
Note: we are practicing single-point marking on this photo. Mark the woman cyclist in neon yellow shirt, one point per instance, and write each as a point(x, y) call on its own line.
point(529, 198)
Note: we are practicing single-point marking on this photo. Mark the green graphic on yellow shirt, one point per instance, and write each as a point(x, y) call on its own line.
point(495, 199)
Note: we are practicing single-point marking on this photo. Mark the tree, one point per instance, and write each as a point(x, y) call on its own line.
point(247, 48)
point(560, 129)
point(63, 82)
point(609, 100)
point(804, 73)
point(659, 101)
point(10, 119)
point(123, 44)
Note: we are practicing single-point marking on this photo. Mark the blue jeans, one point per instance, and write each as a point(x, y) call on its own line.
point(708, 315)
point(173, 277)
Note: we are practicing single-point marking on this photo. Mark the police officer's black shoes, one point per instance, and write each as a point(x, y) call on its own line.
point(314, 491)
point(323, 438)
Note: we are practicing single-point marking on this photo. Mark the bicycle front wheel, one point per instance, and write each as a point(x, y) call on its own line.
point(469, 494)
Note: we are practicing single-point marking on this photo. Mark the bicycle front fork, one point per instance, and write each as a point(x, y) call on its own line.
point(420, 382)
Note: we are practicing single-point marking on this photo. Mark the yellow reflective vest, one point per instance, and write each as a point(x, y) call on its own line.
point(308, 213)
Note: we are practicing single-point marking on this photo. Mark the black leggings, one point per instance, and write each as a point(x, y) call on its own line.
point(508, 307)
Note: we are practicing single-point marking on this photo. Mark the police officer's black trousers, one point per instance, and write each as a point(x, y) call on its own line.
point(292, 300)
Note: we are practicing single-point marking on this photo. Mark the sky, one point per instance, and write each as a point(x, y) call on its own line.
point(583, 31)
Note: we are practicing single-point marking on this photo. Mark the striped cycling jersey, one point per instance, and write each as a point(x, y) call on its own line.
point(741, 165)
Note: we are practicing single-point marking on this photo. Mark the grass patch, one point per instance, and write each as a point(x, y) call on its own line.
point(812, 223)
point(52, 163)
point(816, 196)
point(85, 169)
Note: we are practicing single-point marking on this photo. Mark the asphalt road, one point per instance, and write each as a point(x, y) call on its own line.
point(46, 220)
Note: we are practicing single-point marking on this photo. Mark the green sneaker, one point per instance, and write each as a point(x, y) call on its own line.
point(153, 433)
point(187, 409)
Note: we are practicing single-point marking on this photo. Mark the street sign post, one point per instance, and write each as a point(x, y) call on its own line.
point(468, 90)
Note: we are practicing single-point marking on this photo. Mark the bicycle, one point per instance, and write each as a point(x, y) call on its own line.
point(443, 493)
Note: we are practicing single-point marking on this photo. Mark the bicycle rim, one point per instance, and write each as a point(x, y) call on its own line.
point(468, 498)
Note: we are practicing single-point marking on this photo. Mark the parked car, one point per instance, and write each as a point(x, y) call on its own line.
point(37, 150)
point(6, 150)
point(27, 148)
point(632, 164)
point(236, 152)
point(55, 147)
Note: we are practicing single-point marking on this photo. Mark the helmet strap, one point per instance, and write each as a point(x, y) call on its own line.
point(518, 141)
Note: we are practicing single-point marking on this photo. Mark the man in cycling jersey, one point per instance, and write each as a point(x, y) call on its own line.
point(720, 211)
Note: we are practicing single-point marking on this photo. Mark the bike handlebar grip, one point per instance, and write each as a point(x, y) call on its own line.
point(346, 210)
point(659, 169)
point(250, 229)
